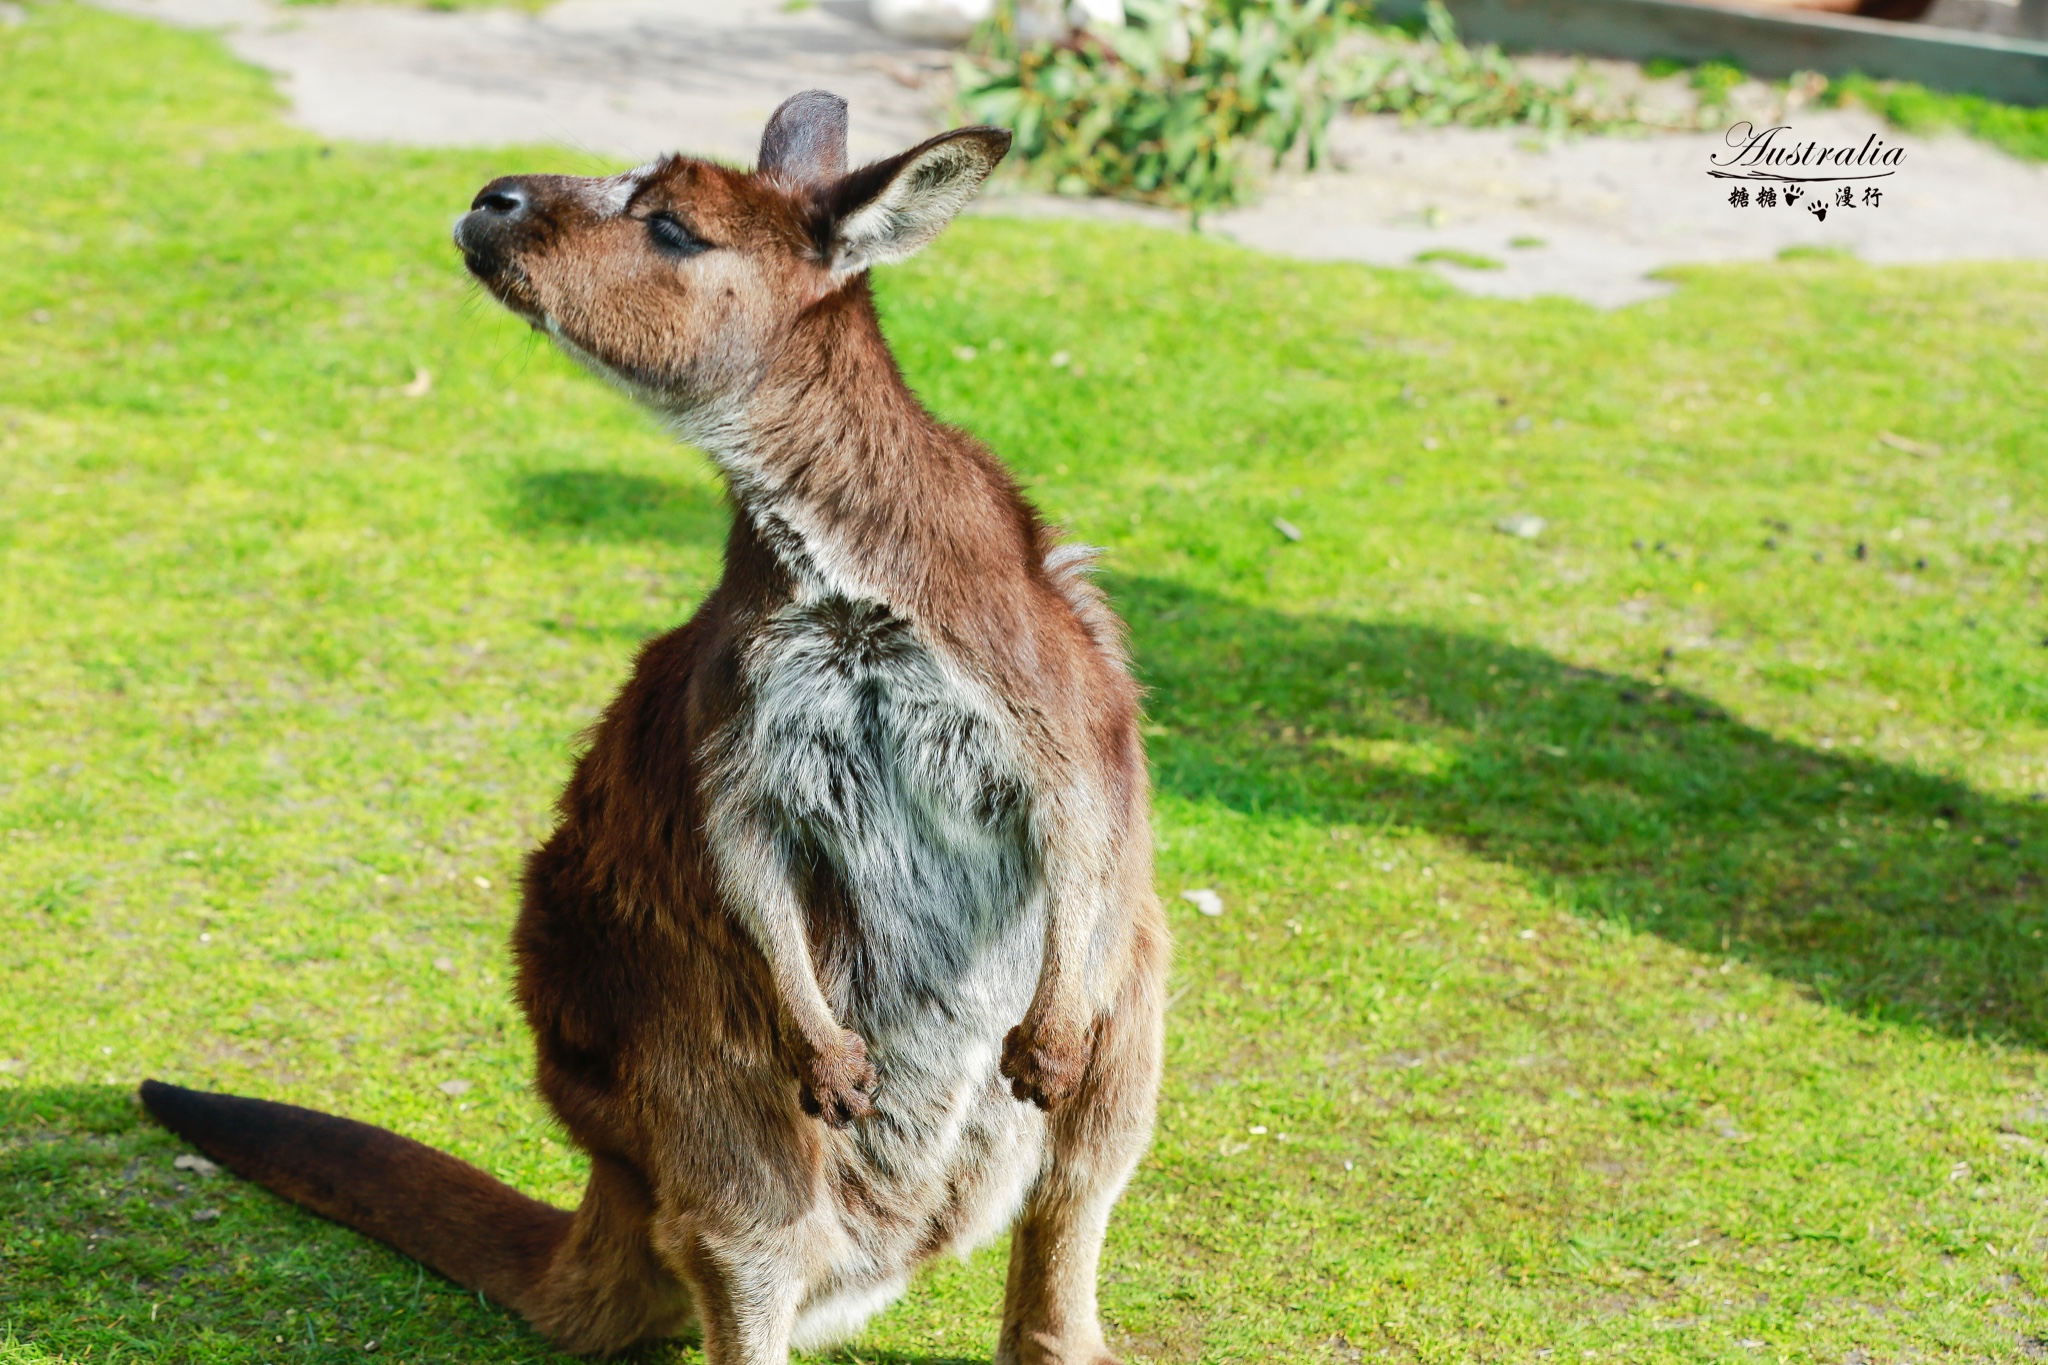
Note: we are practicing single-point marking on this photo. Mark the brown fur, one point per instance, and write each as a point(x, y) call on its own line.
point(694, 1043)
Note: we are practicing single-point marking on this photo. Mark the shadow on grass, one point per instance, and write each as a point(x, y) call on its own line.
point(1886, 891)
point(608, 506)
point(112, 1250)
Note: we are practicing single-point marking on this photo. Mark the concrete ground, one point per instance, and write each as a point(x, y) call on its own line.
point(1609, 210)
point(628, 78)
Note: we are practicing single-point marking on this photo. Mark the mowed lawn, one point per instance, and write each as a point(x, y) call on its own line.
point(1633, 936)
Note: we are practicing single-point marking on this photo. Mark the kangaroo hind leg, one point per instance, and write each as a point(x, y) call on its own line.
point(749, 1287)
point(605, 1287)
point(1097, 1137)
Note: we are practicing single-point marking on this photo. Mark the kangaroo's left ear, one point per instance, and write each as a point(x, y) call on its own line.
point(888, 211)
point(805, 140)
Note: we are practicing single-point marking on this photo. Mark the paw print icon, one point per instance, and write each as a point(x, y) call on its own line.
point(1818, 210)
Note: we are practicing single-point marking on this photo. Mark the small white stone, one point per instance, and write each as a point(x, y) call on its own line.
point(198, 1165)
point(454, 1087)
point(1204, 900)
point(1521, 525)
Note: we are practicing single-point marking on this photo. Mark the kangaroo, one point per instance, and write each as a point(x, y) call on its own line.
point(845, 950)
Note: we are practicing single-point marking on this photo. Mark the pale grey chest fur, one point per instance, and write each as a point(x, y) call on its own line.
point(905, 827)
point(903, 822)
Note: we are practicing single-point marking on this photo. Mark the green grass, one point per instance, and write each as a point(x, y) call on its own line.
point(1470, 260)
point(1634, 935)
point(2016, 129)
point(1815, 253)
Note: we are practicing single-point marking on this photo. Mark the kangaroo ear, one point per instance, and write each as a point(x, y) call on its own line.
point(890, 210)
point(805, 140)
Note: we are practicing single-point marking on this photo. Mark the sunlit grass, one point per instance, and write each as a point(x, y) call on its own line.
point(1632, 935)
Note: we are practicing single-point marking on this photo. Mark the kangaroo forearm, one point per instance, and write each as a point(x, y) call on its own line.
point(835, 1081)
point(782, 943)
point(1062, 991)
point(758, 888)
point(1076, 853)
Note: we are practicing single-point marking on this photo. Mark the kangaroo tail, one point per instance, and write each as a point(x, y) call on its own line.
point(478, 1231)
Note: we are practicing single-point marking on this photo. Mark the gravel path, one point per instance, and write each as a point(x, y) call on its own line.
point(628, 78)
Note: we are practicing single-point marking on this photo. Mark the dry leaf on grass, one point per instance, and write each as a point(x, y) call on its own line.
point(1923, 449)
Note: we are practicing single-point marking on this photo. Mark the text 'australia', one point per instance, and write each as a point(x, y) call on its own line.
point(1774, 154)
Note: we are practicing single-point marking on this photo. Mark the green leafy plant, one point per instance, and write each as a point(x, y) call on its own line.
point(1715, 82)
point(1435, 78)
point(1168, 105)
point(1185, 104)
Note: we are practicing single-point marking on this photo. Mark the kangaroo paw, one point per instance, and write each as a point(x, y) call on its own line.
point(1044, 1064)
point(838, 1085)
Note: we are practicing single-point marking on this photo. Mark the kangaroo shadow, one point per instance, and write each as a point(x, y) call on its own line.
point(605, 505)
point(1886, 891)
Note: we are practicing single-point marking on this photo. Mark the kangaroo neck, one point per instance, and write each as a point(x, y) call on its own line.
point(845, 478)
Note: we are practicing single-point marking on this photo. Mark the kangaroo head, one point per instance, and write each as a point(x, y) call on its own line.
point(683, 280)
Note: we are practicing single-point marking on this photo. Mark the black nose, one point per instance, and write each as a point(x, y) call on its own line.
point(502, 218)
point(503, 198)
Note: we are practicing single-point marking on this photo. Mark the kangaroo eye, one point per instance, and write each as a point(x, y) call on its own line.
point(675, 239)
